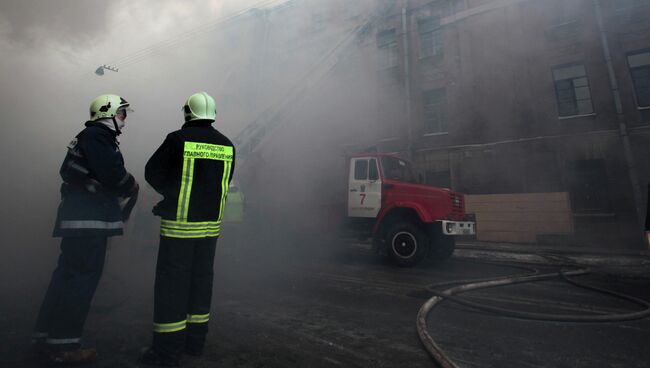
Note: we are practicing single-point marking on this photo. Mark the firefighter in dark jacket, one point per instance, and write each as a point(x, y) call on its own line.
point(97, 196)
point(192, 170)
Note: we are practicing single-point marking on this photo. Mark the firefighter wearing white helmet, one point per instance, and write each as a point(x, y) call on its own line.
point(98, 194)
point(192, 170)
point(110, 109)
point(200, 106)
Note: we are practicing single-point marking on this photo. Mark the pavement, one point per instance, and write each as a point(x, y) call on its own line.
point(623, 263)
point(318, 304)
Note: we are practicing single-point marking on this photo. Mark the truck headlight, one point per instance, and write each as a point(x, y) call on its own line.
point(450, 227)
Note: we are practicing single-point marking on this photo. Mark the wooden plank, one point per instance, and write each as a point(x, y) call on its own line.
point(517, 206)
point(557, 227)
point(520, 217)
point(530, 197)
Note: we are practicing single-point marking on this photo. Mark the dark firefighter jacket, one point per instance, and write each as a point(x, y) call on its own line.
point(192, 170)
point(97, 192)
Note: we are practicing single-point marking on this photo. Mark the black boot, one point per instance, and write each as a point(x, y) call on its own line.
point(151, 357)
point(195, 339)
point(77, 356)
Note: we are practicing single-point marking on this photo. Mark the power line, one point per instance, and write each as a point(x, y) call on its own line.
point(253, 134)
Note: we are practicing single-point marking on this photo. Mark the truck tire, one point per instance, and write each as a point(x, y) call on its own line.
point(406, 244)
point(442, 247)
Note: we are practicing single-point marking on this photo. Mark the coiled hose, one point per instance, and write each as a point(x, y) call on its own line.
point(443, 360)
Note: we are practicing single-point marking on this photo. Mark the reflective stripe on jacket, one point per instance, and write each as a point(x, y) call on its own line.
point(192, 170)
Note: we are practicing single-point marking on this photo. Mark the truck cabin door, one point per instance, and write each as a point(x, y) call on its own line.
point(364, 188)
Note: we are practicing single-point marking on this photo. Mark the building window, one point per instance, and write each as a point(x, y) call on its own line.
point(388, 52)
point(431, 43)
point(435, 111)
point(640, 70)
point(572, 91)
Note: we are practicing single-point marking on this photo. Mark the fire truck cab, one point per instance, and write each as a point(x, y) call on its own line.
point(406, 221)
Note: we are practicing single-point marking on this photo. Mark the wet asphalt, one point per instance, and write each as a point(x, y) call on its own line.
point(321, 304)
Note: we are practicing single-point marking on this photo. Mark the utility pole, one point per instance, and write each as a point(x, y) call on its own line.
point(622, 125)
point(407, 83)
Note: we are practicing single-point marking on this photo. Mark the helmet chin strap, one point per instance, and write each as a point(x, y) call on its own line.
point(118, 131)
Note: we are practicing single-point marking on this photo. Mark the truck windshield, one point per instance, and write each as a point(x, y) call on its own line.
point(397, 169)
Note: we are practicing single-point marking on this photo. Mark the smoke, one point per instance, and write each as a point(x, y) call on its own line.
point(65, 22)
point(306, 71)
point(82, 24)
point(252, 56)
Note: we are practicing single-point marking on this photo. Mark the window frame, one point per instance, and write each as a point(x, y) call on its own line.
point(388, 49)
point(573, 98)
point(441, 113)
point(436, 42)
point(634, 81)
point(373, 170)
point(357, 165)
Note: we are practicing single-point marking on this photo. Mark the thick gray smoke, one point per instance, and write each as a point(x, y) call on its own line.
point(250, 55)
point(306, 71)
point(65, 22)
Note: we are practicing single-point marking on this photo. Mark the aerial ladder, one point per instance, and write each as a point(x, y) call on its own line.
point(250, 138)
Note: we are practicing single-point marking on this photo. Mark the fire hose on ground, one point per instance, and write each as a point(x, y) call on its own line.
point(449, 294)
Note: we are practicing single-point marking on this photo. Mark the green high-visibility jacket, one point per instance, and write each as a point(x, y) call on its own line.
point(192, 170)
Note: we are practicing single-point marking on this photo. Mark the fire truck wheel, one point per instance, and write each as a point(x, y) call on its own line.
point(442, 247)
point(406, 244)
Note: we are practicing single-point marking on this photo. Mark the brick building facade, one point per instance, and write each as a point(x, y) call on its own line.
point(522, 96)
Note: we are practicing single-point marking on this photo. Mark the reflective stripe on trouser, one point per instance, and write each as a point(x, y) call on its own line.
point(177, 326)
point(169, 327)
point(71, 289)
point(74, 340)
point(189, 230)
point(183, 292)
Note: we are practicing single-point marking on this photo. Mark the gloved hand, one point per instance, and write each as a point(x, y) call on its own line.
point(134, 190)
point(127, 203)
point(156, 209)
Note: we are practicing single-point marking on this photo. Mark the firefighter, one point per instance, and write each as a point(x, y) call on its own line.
point(192, 169)
point(97, 196)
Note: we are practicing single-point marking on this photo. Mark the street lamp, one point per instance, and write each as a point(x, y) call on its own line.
point(100, 70)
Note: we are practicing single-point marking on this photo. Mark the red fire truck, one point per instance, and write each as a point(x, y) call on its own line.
point(406, 221)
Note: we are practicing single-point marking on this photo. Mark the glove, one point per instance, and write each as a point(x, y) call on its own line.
point(134, 190)
point(156, 209)
point(127, 203)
